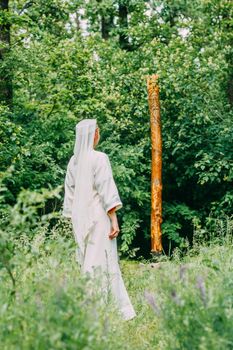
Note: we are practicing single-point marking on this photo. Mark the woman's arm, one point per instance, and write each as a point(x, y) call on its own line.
point(105, 184)
point(114, 224)
point(108, 192)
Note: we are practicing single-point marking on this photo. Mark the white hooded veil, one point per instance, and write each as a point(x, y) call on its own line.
point(83, 151)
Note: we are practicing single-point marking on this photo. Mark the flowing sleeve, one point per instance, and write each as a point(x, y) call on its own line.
point(105, 184)
point(69, 191)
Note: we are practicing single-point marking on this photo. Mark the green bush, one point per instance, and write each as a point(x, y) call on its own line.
point(60, 76)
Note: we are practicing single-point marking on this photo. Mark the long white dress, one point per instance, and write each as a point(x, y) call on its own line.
point(99, 250)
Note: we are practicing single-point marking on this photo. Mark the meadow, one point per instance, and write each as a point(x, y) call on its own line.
point(182, 302)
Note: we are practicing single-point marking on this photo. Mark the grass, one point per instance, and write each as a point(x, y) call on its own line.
point(180, 303)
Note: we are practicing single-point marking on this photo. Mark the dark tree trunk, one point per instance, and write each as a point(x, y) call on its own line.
point(106, 26)
point(230, 88)
point(106, 22)
point(123, 22)
point(172, 17)
point(5, 75)
point(77, 21)
point(230, 63)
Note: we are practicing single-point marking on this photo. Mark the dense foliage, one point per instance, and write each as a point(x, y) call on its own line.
point(69, 60)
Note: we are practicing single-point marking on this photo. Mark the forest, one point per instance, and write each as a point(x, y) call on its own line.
point(62, 61)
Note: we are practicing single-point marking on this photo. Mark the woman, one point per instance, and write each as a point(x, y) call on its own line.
point(91, 201)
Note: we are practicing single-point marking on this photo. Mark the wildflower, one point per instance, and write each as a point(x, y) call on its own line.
point(152, 302)
point(176, 298)
point(182, 271)
point(201, 286)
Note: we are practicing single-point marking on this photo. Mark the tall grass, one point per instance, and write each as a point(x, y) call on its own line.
point(181, 303)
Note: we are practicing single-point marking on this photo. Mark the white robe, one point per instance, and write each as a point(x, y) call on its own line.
point(100, 251)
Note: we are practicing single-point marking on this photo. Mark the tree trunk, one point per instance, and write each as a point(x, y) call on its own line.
point(5, 74)
point(229, 59)
point(156, 164)
point(230, 88)
point(106, 25)
point(123, 22)
point(106, 21)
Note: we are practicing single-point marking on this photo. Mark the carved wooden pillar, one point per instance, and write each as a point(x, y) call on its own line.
point(156, 164)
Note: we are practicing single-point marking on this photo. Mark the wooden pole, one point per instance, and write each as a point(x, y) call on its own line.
point(156, 164)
